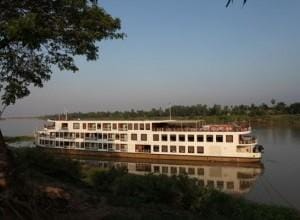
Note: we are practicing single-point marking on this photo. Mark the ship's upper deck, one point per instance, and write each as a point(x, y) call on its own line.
point(152, 125)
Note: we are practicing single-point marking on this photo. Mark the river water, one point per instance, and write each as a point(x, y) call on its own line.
point(277, 181)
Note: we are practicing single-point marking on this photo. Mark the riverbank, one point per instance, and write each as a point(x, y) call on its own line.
point(50, 187)
point(14, 139)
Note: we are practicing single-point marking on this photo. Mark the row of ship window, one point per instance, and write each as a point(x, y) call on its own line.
point(85, 145)
point(123, 147)
point(107, 126)
point(144, 137)
point(178, 149)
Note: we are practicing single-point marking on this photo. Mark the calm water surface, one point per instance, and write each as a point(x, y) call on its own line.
point(19, 127)
point(277, 183)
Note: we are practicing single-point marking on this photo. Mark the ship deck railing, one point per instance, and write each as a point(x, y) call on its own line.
point(252, 141)
point(211, 129)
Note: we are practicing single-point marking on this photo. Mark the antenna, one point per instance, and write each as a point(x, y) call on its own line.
point(170, 109)
point(66, 114)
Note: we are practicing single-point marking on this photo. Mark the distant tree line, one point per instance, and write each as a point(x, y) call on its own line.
point(193, 111)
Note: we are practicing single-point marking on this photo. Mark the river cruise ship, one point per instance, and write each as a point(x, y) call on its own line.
point(165, 139)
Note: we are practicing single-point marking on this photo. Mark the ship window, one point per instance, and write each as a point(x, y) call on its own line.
point(156, 169)
point(173, 137)
point(229, 138)
point(129, 126)
point(133, 137)
point(165, 169)
point(142, 127)
point(191, 171)
point(209, 138)
point(191, 138)
point(136, 126)
point(181, 149)
point(230, 185)
point(200, 171)
point(220, 184)
point(155, 137)
point(200, 150)
point(123, 147)
point(98, 126)
point(210, 183)
point(173, 170)
point(92, 126)
point(147, 126)
point(164, 148)
point(182, 170)
point(191, 149)
point(114, 126)
point(200, 138)
point(143, 137)
point(105, 146)
point(219, 138)
point(64, 126)
point(106, 126)
point(156, 148)
point(173, 149)
point(181, 137)
point(76, 126)
point(164, 137)
point(84, 125)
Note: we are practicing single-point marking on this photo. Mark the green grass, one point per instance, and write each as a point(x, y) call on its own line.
point(14, 139)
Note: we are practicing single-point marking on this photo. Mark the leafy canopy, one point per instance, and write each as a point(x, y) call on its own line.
point(36, 35)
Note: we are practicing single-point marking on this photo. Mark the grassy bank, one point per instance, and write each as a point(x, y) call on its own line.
point(48, 187)
point(10, 139)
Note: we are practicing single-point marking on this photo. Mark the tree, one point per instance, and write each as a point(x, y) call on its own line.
point(37, 35)
point(231, 1)
point(294, 108)
point(273, 102)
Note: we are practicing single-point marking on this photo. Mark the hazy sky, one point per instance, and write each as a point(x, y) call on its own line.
point(183, 52)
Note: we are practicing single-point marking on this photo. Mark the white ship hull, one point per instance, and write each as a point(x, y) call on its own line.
point(168, 140)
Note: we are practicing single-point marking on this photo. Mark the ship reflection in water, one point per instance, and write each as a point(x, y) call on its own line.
point(235, 179)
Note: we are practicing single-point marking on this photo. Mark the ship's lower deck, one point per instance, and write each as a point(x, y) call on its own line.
point(143, 155)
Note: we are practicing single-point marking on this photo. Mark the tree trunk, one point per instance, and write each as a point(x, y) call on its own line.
point(4, 163)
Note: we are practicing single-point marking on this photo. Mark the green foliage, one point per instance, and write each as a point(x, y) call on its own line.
point(231, 1)
point(121, 195)
point(181, 192)
point(18, 139)
point(212, 114)
point(37, 35)
point(34, 162)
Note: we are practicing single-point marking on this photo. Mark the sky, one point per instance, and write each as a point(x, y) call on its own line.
point(183, 53)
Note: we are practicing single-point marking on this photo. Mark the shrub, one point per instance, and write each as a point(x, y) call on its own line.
point(34, 161)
